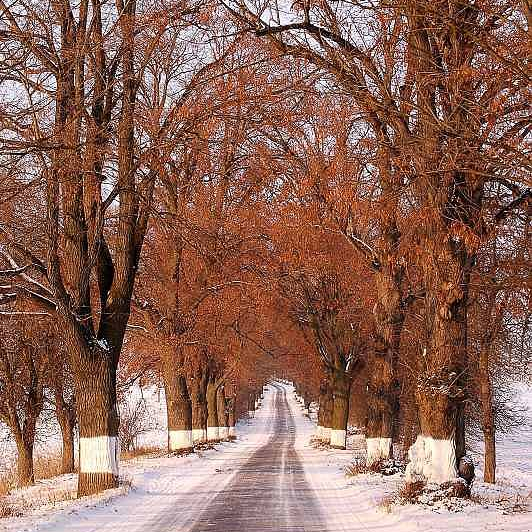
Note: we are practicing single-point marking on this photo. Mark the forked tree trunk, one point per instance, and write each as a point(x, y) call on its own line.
point(212, 412)
point(97, 412)
point(25, 440)
point(23, 426)
point(178, 408)
point(341, 387)
point(221, 406)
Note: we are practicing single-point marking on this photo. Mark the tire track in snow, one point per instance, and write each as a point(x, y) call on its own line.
point(269, 492)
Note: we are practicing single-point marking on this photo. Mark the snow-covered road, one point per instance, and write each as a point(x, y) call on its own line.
point(271, 479)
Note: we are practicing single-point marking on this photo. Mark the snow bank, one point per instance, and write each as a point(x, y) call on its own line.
point(363, 502)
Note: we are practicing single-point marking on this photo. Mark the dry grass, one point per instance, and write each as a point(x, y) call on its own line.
point(357, 467)
point(43, 466)
point(142, 451)
point(386, 504)
point(7, 510)
point(410, 492)
point(8, 481)
point(47, 466)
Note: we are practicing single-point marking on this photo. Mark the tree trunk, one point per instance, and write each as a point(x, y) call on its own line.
point(231, 405)
point(197, 384)
point(65, 413)
point(25, 475)
point(178, 407)
point(383, 404)
point(341, 387)
point(440, 395)
point(212, 412)
point(251, 403)
point(97, 412)
point(325, 411)
point(221, 406)
point(67, 425)
point(488, 418)
point(382, 408)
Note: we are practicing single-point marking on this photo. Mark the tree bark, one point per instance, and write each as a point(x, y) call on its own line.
point(252, 402)
point(325, 411)
point(25, 474)
point(97, 412)
point(341, 387)
point(440, 394)
point(383, 404)
point(212, 411)
point(198, 392)
point(178, 406)
point(488, 418)
point(231, 405)
point(221, 406)
point(382, 407)
point(67, 425)
point(65, 413)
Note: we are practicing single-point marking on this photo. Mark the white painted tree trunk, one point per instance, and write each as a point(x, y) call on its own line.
point(432, 460)
point(338, 438)
point(99, 454)
point(378, 449)
point(212, 434)
point(223, 433)
point(199, 435)
point(179, 440)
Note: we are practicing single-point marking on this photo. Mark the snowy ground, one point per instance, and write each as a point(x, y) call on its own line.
point(159, 486)
point(359, 503)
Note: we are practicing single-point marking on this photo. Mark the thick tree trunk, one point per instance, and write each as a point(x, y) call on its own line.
point(436, 455)
point(212, 412)
point(490, 462)
point(197, 385)
point(25, 475)
point(97, 412)
point(178, 408)
point(341, 387)
point(221, 406)
point(383, 404)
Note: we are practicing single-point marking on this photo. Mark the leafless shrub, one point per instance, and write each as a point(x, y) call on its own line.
point(134, 421)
